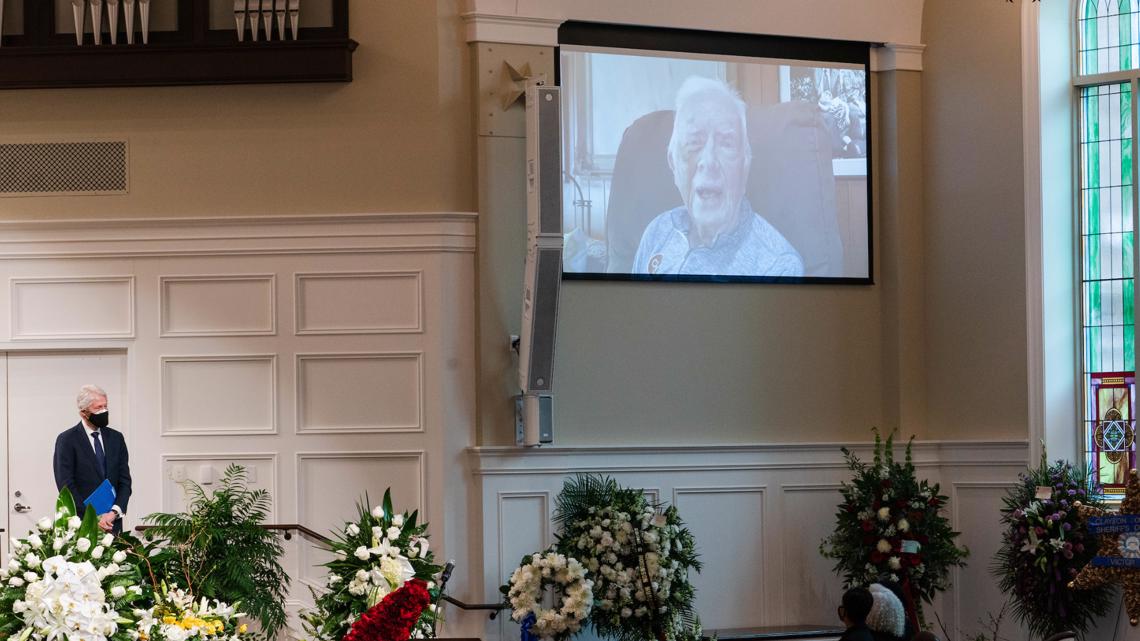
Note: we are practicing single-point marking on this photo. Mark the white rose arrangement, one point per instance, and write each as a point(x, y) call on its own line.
point(373, 556)
point(638, 554)
point(567, 576)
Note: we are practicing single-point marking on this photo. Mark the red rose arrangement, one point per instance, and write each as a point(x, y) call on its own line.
point(889, 528)
point(394, 616)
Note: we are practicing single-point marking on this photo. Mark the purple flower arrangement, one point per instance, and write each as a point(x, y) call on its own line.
point(1045, 544)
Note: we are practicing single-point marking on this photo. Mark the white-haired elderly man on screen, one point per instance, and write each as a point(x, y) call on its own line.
point(715, 232)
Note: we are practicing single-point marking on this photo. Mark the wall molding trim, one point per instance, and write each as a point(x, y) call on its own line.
point(509, 29)
point(249, 235)
point(508, 460)
point(1034, 241)
point(895, 56)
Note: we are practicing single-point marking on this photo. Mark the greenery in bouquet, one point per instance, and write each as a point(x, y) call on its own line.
point(68, 580)
point(1044, 545)
point(177, 616)
point(374, 556)
point(889, 526)
point(217, 549)
point(638, 555)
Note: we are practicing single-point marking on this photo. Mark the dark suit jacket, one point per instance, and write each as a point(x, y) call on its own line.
point(77, 470)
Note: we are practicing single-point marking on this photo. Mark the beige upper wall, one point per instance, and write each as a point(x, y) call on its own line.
point(397, 138)
point(975, 229)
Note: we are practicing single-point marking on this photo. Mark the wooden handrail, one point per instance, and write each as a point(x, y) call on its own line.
point(286, 528)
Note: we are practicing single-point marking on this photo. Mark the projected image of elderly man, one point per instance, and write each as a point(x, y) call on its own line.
point(715, 232)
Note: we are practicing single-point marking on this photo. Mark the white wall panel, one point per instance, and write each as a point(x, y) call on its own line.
point(362, 392)
point(811, 507)
point(527, 516)
point(219, 394)
point(760, 546)
point(206, 470)
point(330, 484)
point(728, 524)
point(72, 308)
point(359, 303)
point(976, 514)
point(238, 305)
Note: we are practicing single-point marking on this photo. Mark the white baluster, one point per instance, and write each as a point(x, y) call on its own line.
point(267, 18)
point(239, 19)
point(129, 14)
point(144, 19)
point(113, 20)
point(279, 9)
point(294, 16)
point(97, 20)
point(77, 17)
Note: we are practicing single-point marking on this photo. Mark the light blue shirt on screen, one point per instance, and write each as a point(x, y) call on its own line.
point(752, 248)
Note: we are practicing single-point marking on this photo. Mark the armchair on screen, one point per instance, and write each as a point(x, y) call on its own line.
point(791, 184)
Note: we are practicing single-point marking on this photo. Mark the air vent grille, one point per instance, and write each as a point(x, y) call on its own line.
point(62, 168)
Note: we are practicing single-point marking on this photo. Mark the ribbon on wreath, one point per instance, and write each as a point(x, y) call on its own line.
point(526, 624)
point(908, 603)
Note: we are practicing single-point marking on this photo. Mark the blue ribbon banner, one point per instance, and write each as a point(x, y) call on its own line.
point(1114, 562)
point(526, 624)
point(1114, 524)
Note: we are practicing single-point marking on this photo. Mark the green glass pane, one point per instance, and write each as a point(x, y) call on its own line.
point(1094, 349)
point(1124, 24)
point(1092, 255)
point(1129, 306)
point(1126, 258)
point(1089, 41)
point(1094, 303)
point(1129, 348)
point(1125, 160)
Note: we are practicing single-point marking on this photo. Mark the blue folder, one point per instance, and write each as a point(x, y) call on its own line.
point(102, 498)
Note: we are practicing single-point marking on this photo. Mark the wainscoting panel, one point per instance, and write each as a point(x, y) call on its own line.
point(206, 470)
point(729, 522)
point(238, 305)
point(360, 303)
point(808, 506)
point(330, 484)
point(759, 513)
point(72, 308)
point(329, 355)
point(367, 392)
point(226, 394)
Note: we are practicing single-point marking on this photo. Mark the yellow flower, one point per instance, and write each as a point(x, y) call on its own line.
point(168, 619)
point(242, 628)
point(143, 636)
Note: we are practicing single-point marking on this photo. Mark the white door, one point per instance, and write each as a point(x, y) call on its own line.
point(41, 392)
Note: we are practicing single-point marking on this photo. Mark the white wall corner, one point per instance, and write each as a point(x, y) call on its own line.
point(510, 29)
point(895, 56)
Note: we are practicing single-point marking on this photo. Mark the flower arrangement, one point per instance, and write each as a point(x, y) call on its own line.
point(638, 554)
point(395, 616)
point(1044, 546)
point(177, 616)
point(889, 526)
point(374, 556)
point(67, 579)
point(528, 584)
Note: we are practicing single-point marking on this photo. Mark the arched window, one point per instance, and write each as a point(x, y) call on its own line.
point(1108, 61)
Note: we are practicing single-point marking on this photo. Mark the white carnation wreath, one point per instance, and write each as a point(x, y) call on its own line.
point(568, 577)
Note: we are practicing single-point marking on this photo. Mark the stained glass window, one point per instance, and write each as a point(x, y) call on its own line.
point(1107, 284)
point(1108, 30)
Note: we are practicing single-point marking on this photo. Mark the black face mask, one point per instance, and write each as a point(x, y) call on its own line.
point(100, 420)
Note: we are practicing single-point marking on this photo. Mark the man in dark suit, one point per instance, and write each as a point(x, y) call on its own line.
point(90, 452)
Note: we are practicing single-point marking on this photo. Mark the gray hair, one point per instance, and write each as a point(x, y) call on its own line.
point(88, 394)
point(697, 85)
